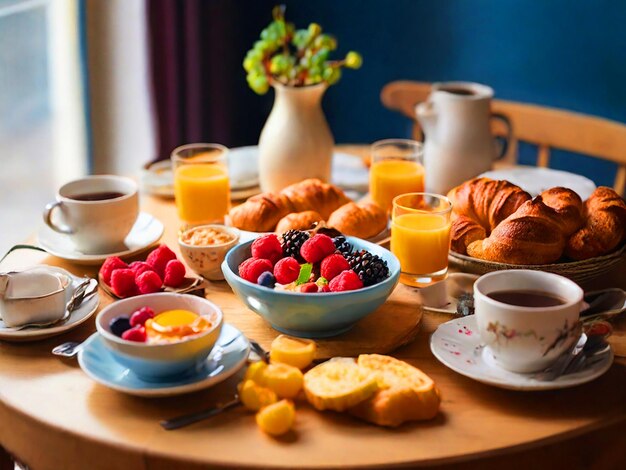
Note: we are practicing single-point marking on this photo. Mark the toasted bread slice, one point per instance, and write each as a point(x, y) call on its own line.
point(404, 393)
point(338, 384)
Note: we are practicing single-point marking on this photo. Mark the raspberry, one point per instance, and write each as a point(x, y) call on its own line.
point(111, 264)
point(140, 267)
point(317, 248)
point(123, 283)
point(287, 270)
point(252, 268)
point(266, 279)
point(158, 259)
point(174, 273)
point(347, 280)
point(140, 316)
point(149, 282)
point(137, 334)
point(309, 288)
point(267, 247)
point(333, 265)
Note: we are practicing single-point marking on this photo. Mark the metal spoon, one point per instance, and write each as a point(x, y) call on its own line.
point(604, 303)
point(69, 349)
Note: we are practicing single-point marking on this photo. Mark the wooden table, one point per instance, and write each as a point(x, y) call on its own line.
point(52, 416)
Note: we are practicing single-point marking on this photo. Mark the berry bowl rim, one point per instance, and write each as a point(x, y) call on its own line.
point(392, 262)
point(216, 321)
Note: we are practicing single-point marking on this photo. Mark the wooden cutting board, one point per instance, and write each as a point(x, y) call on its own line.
point(394, 324)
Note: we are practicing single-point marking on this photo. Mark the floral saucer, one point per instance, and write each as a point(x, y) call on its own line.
point(98, 363)
point(457, 345)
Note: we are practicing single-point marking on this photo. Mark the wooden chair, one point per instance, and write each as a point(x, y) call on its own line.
point(545, 127)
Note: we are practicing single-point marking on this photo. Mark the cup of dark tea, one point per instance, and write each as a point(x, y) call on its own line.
point(95, 212)
point(526, 318)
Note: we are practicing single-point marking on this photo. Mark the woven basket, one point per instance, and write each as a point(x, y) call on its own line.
point(577, 271)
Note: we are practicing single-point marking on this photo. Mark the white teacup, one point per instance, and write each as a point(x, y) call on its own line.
point(96, 212)
point(526, 338)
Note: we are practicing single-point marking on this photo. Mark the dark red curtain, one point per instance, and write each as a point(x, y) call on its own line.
point(199, 87)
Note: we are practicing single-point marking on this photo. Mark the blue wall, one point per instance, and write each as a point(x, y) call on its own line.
point(563, 53)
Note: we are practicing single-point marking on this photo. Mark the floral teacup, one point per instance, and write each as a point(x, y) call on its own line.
point(527, 338)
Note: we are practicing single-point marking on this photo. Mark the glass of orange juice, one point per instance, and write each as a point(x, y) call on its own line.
point(420, 237)
point(201, 185)
point(396, 169)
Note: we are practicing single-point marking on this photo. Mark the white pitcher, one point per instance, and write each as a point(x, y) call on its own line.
point(459, 144)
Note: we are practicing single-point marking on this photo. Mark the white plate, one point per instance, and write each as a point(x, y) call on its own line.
point(348, 172)
point(80, 315)
point(146, 232)
point(535, 180)
point(98, 363)
point(457, 345)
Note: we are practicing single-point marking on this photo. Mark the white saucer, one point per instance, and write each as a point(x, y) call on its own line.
point(98, 363)
point(535, 180)
point(80, 315)
point(458, 346)
point(146, 232)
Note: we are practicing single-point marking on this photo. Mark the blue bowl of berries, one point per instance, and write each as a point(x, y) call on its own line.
point(160, 336)
point(311, 286)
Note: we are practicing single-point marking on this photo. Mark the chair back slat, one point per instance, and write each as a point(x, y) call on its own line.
point(543, 156)
point(566, 130)
point(620, 180)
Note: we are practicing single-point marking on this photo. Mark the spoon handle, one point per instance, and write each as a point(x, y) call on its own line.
point(185, 420)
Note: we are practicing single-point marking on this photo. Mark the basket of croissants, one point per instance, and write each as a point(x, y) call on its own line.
point(302, 205)
point(497, 225)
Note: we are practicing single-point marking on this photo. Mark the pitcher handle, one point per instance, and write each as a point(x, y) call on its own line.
point(47, 218)
point(503, 142)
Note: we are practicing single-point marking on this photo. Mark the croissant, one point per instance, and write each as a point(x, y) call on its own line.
point(487, 201)
point(298, 221)
point(261, 213)
point(605, 226)
point(568, 205)
point(312, 194)
point(531, 235)
point(464, 231)
point(363, 220)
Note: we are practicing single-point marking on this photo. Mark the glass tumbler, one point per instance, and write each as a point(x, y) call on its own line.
point(420, 237)
point(201, 185)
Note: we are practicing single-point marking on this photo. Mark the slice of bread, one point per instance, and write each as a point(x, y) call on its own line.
point(338, 384)
point(404, 393)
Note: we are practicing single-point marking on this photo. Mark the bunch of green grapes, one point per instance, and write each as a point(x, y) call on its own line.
point(294, 57)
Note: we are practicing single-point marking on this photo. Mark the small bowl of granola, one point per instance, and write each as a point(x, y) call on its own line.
point(205, 246)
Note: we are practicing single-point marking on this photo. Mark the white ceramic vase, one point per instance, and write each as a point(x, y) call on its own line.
point(296, 142)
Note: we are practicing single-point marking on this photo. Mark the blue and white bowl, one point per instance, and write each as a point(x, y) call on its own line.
point(316, 315)
point(155, 362)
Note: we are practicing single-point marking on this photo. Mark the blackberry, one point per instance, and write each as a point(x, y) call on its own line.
point(371, 269)
point(342, 245)
point(292, 241)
